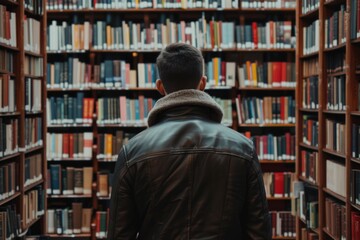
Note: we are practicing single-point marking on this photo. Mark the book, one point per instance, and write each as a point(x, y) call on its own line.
point(310, 96)
point(335, 136)
point(8, 94)
point(33, 132)
point(355, 141)
point(33, 66)
point(104, 182)
point(266, 74)
point(266, 110)
point(311, 39)
point(220, 73)
point(354, 19)
point(68, 5)
point(335, 219)
point(311, 67)
point(110, 144)
point(309, 5)
point(34, 205)
point(309, 166)
point(335, 177)
point(33, 95)
point(335, 28)
point(310, 130)
point(10, 222)
point(335, 62)
point(355, 186)
point(278, 184)
point(336, 99)
point(9, 184)
point(268, 4)
point(283, 224)
point(355, 225)
point(101, 223)
point(8, 26)
point(7, 61)
point(226, 106)
point(32, 30)
point(34, 6)
point(9, 136)
point(33, 169)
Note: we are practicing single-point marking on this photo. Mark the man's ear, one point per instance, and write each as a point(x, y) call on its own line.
point(160, 87)
point(202, 84)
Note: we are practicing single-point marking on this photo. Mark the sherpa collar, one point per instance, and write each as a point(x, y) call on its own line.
point(189, 97)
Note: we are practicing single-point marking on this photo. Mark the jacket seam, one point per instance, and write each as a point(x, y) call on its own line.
point(131, 162)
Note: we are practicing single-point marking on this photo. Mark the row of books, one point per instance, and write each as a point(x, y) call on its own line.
point(335, 139)
point(310, 98)
point(336, 99)
point(283, 224)
point(69, 180)
point(33, 132)
point(354, 19)
point(32, 30)
point(275, 110)
point(355, 186)
point(335, 62)
point(104, 183)
point(268, 4)
point(310, 67)
point(335, 33)
point(355, 225)
point(110, 144)
point(33, 66)
point(102, 222)
point(309, 166)
point(9, 184)
point(278, 184)
point(226, 106)
point(123, 110)
point(7, 90)
point(335, 219)
point(10, 222)
point(336, 177)
point(35, 6)
point(70, 109)
point(69, 145)
point(7, 27)
point(74, 220)
point(310, 130)
point(33, 94)
point(309, 5)
point(34, 205)
point(9, 136)
point(311, 38)
point(7, 63)
point(266, 74)
point(355, 141)
point(141, 4)
point(271, 147)
point(309, 206)
point(116, 34)
point(33, 169)
point(220, 73)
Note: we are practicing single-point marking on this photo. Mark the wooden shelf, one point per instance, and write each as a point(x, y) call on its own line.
point(328, 234)
point(31, 14)
point(309, 147)
point(334, 2)
point(335, 195)
point(8, 47)
point(334, 153)
point(80, 235)
point(104, 198)
point(8, 73)
point(33, 54)
point(356, 206)
point(31, 186)
point(357, 72)
point(306, 110)
point(334, 112)
point(121, 125)
point(336, 74)
point(304, 179)
point(34, 149)
point(12, 197)
point(311, 14)
point(70, 126)
point(314, 75)
point(68, 89)
point(339, 47)
point(355, 160)
point(270, 125)
point(310, 55)
point(70, 196)
point(33, 222)
point(283, 238)
point(278, 198)
point(10, 115)
point(32, 76)
point(33, 113)
point(355, 41)
point(7, 157)
point(267, 89)
point(355, 114)
point(277, 161)
point(9, 3)
point(106, 161)
point(70, 160)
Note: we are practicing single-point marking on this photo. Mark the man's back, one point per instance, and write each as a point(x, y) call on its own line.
point(192, 178)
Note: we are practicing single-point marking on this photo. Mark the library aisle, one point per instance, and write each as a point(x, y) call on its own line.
point(77, 81)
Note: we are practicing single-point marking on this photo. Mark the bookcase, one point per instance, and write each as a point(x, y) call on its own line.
point(327, 100)
point(100, 87)
point(22, 118)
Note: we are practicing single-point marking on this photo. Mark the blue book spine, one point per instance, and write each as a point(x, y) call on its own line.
point(137, 109)
point(55, 178)
point(70, 70)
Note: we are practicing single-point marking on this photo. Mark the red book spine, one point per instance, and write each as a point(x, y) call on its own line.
point(303, 163)
point(85, 108)
point(212, 35)
point(90, 109)
point(283, 73)
point(65, 145)
point(272, 40)
point(97, 217)
point(71, 145)
point(255, 34)
point(223, 74)
point(279, 184)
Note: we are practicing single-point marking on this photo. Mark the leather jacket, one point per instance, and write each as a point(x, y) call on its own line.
point(188, 177)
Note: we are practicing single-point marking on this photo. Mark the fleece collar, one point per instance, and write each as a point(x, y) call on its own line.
point(188, 97)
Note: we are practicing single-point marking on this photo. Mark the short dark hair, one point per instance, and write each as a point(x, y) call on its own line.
point(180, 66)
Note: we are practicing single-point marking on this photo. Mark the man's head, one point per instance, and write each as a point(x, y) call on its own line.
point(180, 66)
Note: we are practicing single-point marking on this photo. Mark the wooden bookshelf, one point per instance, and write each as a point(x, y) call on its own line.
point(18, 74)
point(323, 57)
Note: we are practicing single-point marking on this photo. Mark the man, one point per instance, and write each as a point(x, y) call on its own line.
point(187, 176)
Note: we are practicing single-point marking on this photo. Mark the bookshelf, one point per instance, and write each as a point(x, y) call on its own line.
point(106, 131)
point(338, 41)
point(22, 116)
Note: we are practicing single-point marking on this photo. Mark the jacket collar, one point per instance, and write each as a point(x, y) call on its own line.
point(185, 98)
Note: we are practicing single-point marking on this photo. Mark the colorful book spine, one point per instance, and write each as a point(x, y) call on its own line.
point(7, 61)
point(255, 4)
point(309, 166)
point(311, 39)
point(283, 224)
point(8, 94)
point(310, 98)
point(335, 219)
point(34, 205)
point(335, 138)
point(33, 169)
point(110, 144)
point(336, 93)
point(309, 5)
point(278, 184)
point(8, 27)
point(9, 184)
point(32, 30)
point(310, 130)
point(9, 136)
point(335, 29)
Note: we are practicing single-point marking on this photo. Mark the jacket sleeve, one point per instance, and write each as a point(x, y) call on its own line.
point(123, 221)
point(257, 220)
